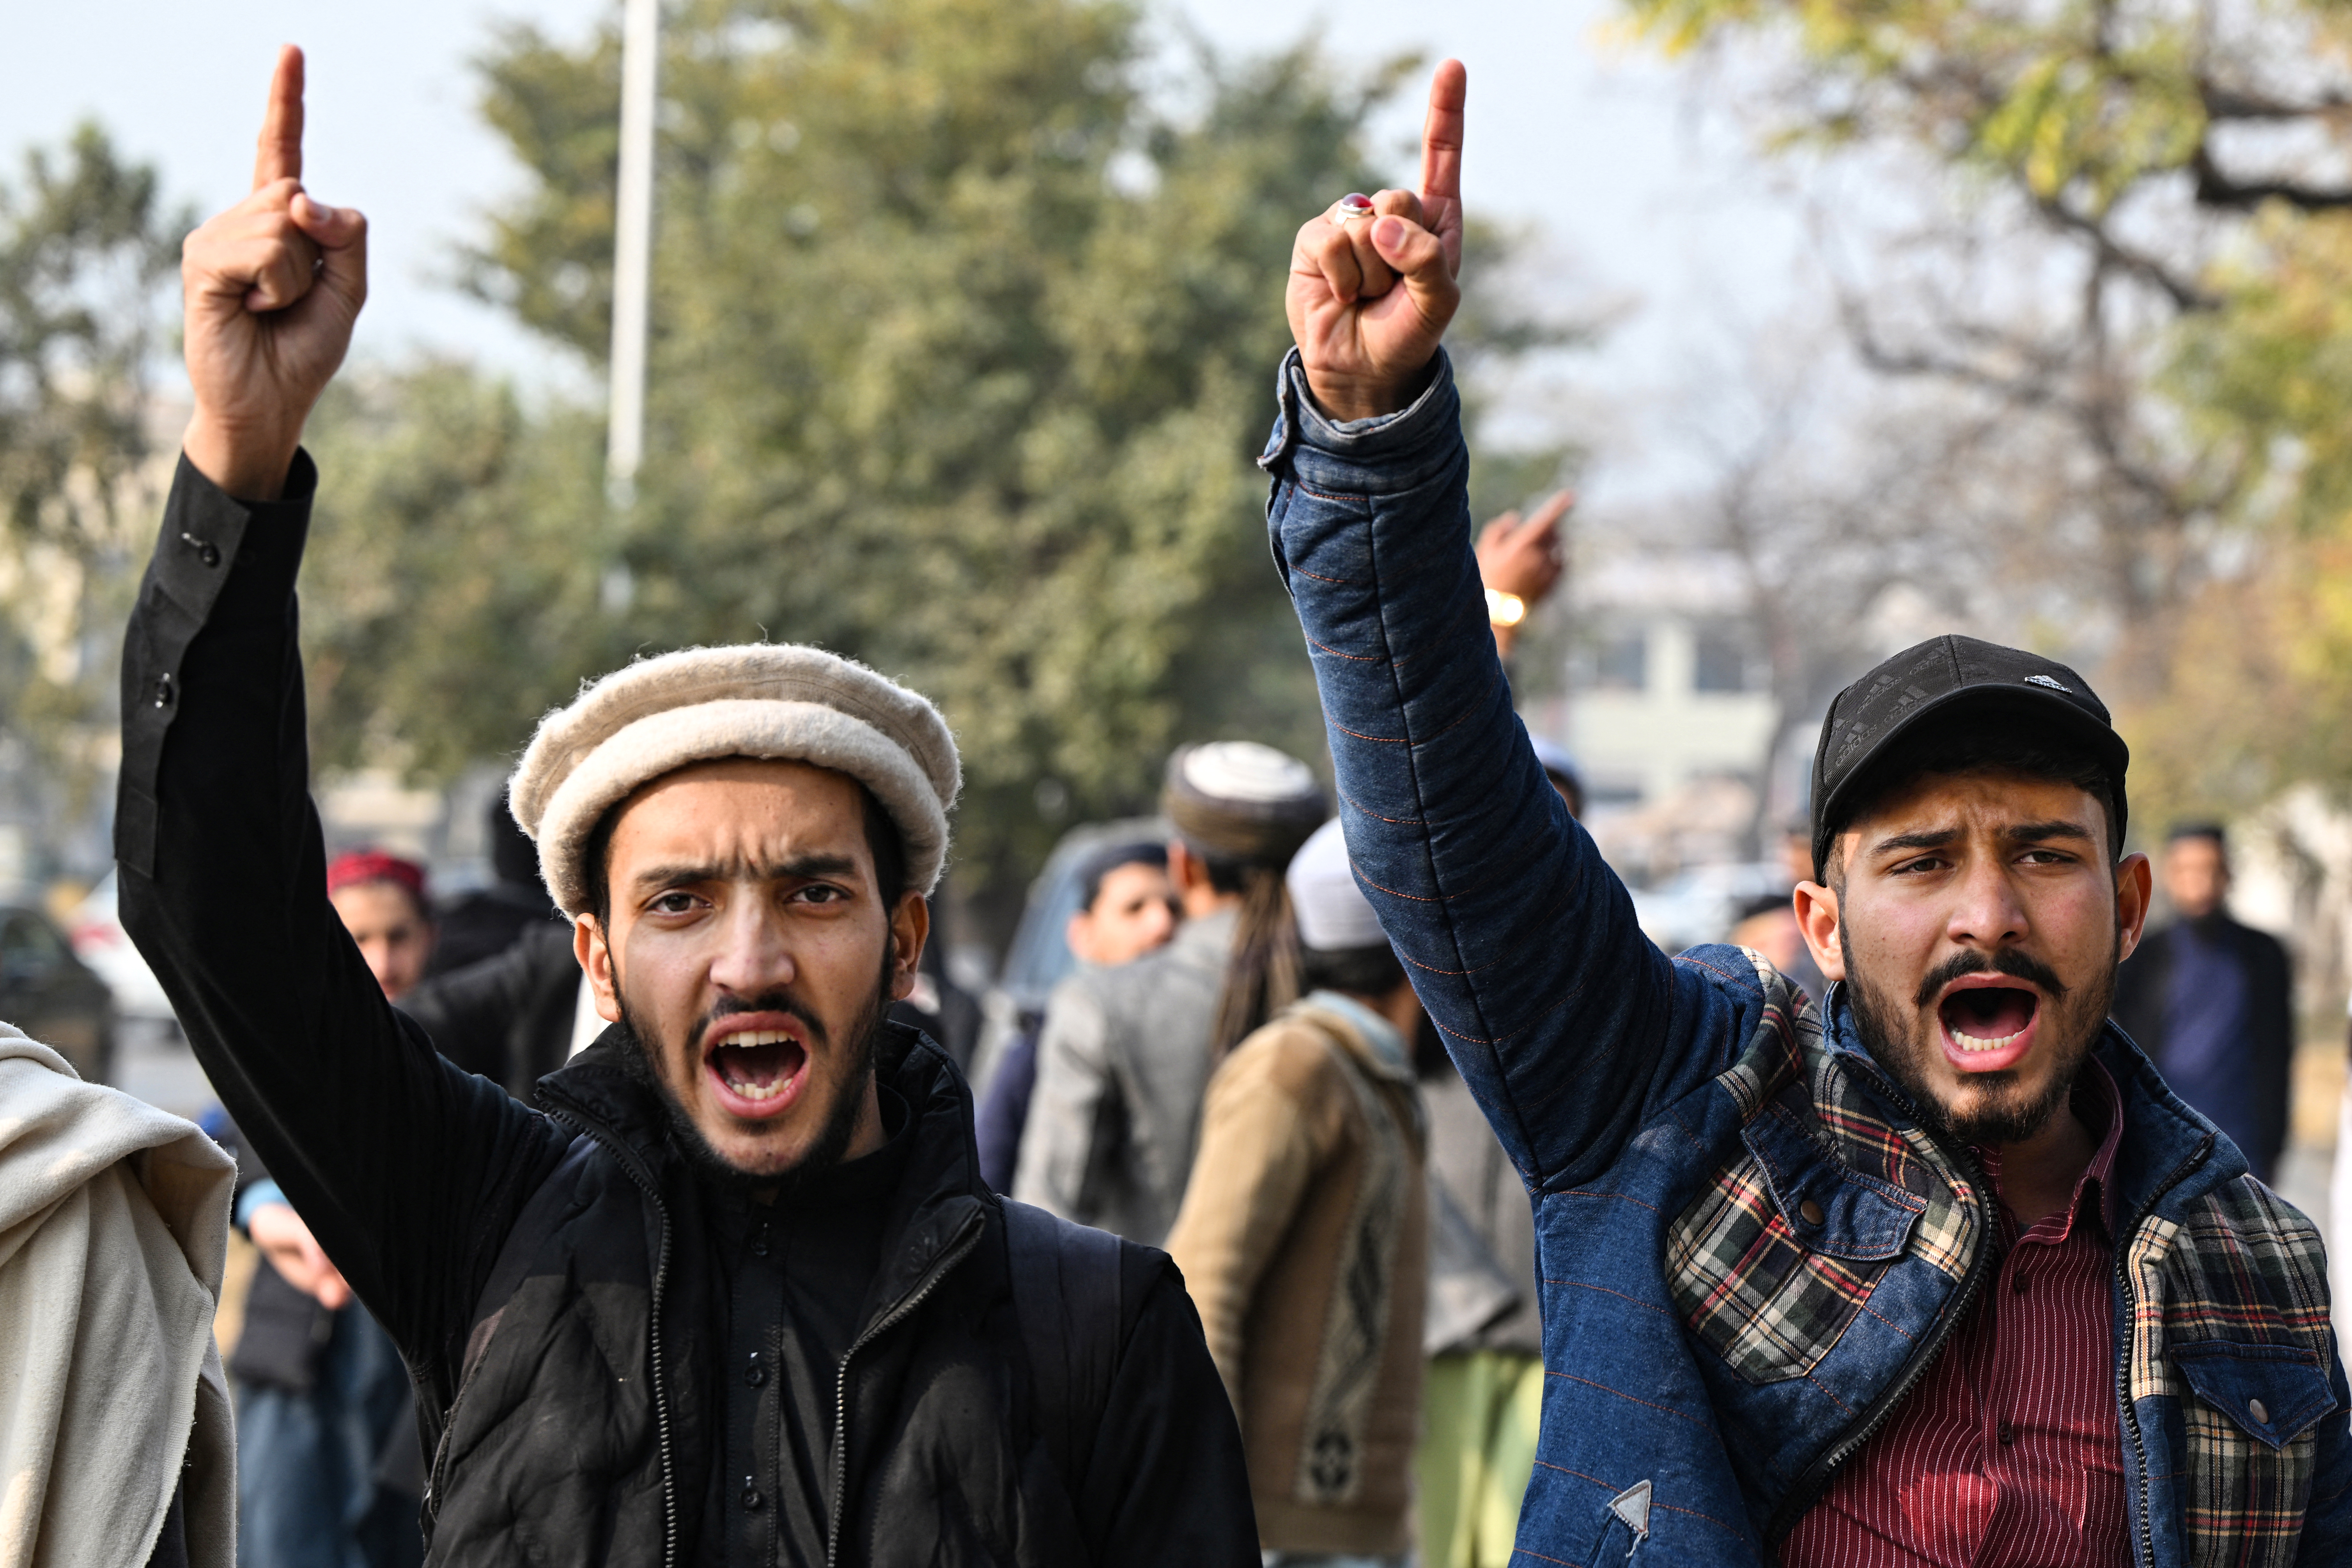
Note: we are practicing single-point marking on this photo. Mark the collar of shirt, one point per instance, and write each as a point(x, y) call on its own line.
point(2099, 1106)
point(1378, 1032)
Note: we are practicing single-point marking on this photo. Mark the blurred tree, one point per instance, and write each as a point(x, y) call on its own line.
point(2138, 259)
point(961, 347)
point(86, 247)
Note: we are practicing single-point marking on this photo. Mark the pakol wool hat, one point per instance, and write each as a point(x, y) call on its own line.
point(1955, 681)
point(779, 701)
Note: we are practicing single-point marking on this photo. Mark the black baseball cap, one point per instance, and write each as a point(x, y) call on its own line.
point(1961, 681)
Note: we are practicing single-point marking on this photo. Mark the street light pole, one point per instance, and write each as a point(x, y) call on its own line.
point(624, 439)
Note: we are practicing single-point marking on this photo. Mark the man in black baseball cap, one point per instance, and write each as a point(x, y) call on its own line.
point(1939, 1271)
point(1970, 890)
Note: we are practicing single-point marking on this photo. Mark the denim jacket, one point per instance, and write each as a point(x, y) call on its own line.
point(1748, 1249)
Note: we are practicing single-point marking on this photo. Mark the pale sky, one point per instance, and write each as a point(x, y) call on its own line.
point(1645, 203)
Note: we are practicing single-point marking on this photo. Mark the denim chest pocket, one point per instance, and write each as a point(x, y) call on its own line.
point(1775, 1258)
point(2266, 1395)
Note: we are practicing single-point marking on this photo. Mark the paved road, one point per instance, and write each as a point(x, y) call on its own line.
point(153, 1062)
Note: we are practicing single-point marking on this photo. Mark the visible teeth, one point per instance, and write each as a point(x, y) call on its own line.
point(1969, 1042)
point(758, 1038)
point(758, 1091)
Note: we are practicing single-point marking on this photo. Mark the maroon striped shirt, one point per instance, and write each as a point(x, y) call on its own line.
point(2009, 1453)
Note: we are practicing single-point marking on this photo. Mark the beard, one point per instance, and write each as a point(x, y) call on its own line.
point(2007, 1109)
point(840, 1124)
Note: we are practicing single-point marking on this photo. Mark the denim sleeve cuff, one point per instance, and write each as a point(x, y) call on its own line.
point(1385, 453)
point(265, 1191)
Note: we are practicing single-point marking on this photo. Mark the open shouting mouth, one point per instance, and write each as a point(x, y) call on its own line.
point(1989, 1022)
point(756, 1063)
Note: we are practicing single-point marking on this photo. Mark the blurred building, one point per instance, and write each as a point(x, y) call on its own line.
point(1668, 710)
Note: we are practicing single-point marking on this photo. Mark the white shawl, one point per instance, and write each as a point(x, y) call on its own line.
point(113, 1231)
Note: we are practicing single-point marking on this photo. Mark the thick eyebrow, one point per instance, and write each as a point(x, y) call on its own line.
point(1932, 840)
point(2026, 832)
point(797, 869)
point(2035, 832)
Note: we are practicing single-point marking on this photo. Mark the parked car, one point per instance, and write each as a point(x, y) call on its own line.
point(1040, 954)
point(52, 995)
point(101, 943)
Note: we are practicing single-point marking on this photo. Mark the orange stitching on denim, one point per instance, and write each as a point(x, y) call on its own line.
point(1620, 1295)
point(1392, 821)
point(1343, 582)
point(1750, 984)
point(1449, 974)
point(1359, 658)
point(1376, 740)
point(1564, 1563)
point(1825, 1394)
point(1660, 1409)
point(1598, 1192)
point(1325, 495)
point(1515, 1034)
point(1890, 1323)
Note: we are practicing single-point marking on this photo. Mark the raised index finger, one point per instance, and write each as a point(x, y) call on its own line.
point(279, 155)
point(1441, 134)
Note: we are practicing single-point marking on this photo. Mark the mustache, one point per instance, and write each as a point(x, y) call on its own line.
point(783, 1002)
point(2009, 960)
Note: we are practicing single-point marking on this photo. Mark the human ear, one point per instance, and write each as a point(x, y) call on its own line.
point(2135, 883)
point(595, 956)
point(911, 927)
point(1817, 922)
point(1184, 871)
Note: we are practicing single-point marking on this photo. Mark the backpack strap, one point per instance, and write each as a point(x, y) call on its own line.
point(1067, 1293)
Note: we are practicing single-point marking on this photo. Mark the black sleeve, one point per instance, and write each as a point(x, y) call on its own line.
point(1166, 1483)
point(408, 1170)
point(2138, 1005)
point(2274, 1010)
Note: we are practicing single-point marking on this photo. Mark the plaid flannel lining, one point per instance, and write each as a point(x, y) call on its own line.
point(2240, 1269)
point(1745, 1285)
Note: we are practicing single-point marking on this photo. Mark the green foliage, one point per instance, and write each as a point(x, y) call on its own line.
point(2084, 98)
point(2186, 162)
point(961, 352)
point(85, 247)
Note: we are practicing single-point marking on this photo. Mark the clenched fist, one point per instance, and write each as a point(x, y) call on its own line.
point(1369, 296)
point(271, 288)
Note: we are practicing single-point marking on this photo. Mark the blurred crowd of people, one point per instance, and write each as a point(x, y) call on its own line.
point(1238, 1070)
point(656, 1203)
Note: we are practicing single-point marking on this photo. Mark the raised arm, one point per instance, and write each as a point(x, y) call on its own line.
point(390, 1155)
point(1566, 1023)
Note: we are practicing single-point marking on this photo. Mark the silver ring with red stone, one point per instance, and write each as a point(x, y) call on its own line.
point(1355, 204)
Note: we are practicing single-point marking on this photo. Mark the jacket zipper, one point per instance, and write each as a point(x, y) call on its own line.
point(956, 1253)
point(1816, 1477)
point(2123, 1351)
point(645, 1182)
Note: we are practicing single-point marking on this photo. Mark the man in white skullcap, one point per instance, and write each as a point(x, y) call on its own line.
point(1125, 1052)
point(1303, 1236)
point(733, 1292)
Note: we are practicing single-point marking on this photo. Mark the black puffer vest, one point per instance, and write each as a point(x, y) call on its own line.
point(590, 1406)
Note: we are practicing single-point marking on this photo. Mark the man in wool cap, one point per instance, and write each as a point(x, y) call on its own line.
point(734, 1292)
point(1125, 1052)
